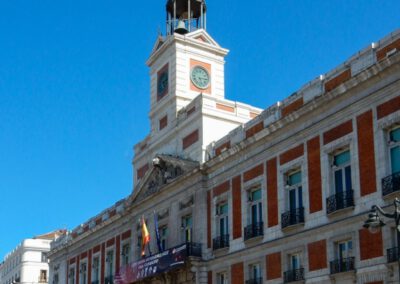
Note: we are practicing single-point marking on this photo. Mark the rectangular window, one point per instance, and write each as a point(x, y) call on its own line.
point(255, 207)
point(96, 269)
point(71, 276)
point(163, 237)
point(255, 271)
point(222, 278)
point(55, 279)
point(222, 219)
point(110, 263)
point(342, 172)
point(394, 148)
point(295, 191)
point(83, 273)
point(294, 261)
point(126, 248)
point(187, 224)
point(344, 249)
point(43, 276)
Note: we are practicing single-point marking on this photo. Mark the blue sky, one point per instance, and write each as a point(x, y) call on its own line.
point(74, 88)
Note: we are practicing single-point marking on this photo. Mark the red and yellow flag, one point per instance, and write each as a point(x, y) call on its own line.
point(145, 237)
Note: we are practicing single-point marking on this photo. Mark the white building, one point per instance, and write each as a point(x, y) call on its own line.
point(240, 195)
point(27, 263)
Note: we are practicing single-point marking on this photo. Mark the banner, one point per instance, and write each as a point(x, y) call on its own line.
point(152, 266)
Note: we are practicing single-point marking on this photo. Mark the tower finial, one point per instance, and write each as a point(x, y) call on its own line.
point(185, 16)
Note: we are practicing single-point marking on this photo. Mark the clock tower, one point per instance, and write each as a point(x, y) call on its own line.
point(188, 109)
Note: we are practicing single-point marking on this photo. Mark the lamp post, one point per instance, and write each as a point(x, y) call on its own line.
point(374, 223)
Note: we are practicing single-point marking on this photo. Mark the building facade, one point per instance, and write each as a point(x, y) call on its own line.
point(28, 262)
point(243, 195)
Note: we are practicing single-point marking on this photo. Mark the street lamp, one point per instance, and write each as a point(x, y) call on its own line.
point(374, 223)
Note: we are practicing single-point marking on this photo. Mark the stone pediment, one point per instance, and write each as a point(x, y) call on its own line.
point(165, 170)
point(202, 36)
point(159, 42)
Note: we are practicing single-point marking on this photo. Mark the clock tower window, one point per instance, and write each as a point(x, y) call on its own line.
point(162, 82)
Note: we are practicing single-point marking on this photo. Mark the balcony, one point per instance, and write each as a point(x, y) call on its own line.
point(221, 242)
point(393, 254)
point(255, 281)
point(109, 280)
point(293, 275)
point(253, 230)
point(340, 201)
point(293, 217)
point(193, 249)
point(391, 184)
point(342, 265)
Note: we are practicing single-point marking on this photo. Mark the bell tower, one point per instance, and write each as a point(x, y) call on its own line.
point(188, 109)
point(185, 16)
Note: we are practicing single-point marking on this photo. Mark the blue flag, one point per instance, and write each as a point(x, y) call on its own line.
point(160, 248)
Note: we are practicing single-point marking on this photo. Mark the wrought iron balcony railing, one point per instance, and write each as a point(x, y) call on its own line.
point(342, 265)
point(393, 254)
point(293, 217)
point(95, 282)
point(340, 201)
point(254, 230)
point(109, 280)
point(193, 249)
point(391, 184)
point(255, 281)
point(293, 275)
point(221, 242)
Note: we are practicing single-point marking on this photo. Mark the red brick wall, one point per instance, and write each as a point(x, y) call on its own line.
point(163, 122)
point(190, 139)
point(317, 255)
point(314, 174)
point(338, 131)
point(388, 107)
point(77, 268)
point(209, 277)
point(371, 245)
point(89, 270)
point(220, 189)
point(274, 266)
point(142, 171)
point(110, 242)
point(103, 262)
point(226, 145)
point(96, 249)
point(291, 154)
point(237, 275)
point(237, 207)
point(72, 260)
point(381, 53)
point(338, 80)
point(366, 153)
point(117, 253)
point(209, 219)
point(292, 107)
point(225, 107)
point(272, 192)
point(253, 173)
point(254, 129)
point(126, 235)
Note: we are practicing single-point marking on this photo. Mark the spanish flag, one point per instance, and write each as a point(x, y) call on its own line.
point(145, 237)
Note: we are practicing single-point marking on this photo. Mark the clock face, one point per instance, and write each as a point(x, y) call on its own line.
point(200, 77)
point(162, 86)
